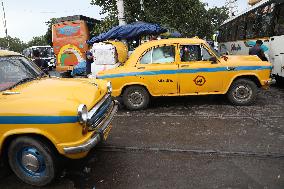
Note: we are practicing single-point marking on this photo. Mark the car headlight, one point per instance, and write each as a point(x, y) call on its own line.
point(109, 87)
point(83, 114)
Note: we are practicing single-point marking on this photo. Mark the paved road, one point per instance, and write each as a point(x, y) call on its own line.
point(186, 142)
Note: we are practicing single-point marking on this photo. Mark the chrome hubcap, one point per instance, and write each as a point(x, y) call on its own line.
point(30, 162)
point(242, 93)
point(136, 99)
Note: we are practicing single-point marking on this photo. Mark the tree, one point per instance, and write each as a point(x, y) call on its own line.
point(38, 41)
point(15, 44)
point(189, 17)
point(48, 34)
point(217, 16)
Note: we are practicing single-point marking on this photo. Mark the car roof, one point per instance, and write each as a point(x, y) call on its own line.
point(193, 40)
point(8, 53)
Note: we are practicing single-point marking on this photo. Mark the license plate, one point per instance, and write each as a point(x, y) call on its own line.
point(106, 131)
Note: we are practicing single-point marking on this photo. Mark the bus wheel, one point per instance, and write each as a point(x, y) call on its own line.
point(242, 92)
point(33, 161)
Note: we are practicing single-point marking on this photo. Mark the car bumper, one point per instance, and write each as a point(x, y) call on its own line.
point(96, 137)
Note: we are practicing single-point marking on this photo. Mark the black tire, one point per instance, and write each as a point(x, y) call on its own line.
point(279, 81)
point(32, 160)
point(5, 169)
point(242, 92)
point(136, 98)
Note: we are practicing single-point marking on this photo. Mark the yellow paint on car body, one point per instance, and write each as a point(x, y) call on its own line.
point(178, 78)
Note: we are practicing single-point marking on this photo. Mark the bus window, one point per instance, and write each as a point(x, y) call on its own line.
point(250, 30)
point(265, 20)
point(226, 33)
point(279, 26)
point(234, 29)
point(241, 32)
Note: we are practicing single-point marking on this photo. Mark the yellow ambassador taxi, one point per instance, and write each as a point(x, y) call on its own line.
point(42, 118)
point(189, 66)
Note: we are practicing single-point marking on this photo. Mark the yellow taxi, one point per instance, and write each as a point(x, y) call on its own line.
point(42, 118)
point(186, 66)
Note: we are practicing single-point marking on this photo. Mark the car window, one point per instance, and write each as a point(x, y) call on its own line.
point(147, 58)
point(14, 69)
point(190, 53)
point(159, 55)
point(205, 54)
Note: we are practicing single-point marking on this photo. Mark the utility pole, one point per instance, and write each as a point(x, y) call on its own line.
point(5, 24)
point(143, 16)
point(232, 7)
point(120, 9)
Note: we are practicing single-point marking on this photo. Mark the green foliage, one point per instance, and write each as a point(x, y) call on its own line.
point(189, 17)
point(48, 34)
point(37, 41)
point(13, 44)
point(217, 16)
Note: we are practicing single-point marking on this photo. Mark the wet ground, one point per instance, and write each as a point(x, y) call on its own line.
point(185, 142)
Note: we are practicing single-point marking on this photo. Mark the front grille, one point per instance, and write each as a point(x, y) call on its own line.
point(100, 114)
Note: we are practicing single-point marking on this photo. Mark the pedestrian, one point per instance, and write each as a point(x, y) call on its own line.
point(41, 63)
point(89, 61)
point(257, 50)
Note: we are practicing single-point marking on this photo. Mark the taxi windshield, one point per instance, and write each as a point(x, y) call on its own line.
point(214, 51)
point(15, 70)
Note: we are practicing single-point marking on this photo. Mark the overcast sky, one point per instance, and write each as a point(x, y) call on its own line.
point(26, 18)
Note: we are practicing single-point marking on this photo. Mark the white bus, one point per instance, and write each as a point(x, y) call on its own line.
point(46, 53)
point(264, 21)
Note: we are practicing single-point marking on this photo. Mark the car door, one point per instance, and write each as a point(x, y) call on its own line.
point(158, 67)
point(197, 72)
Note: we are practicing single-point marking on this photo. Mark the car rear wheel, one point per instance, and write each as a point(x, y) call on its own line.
point(242, 92)
point(33, 161)
point(279, 80)
point(136, 98)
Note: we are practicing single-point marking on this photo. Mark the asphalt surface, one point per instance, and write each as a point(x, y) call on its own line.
point(185, 142)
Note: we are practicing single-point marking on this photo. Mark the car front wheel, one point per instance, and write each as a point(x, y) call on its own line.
point(242, 92)
point(136, 98)
point(32, 160)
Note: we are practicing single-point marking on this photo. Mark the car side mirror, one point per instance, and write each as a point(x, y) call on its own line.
point(213, 60)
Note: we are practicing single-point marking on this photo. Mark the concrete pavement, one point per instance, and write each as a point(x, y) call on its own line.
point(186, 142)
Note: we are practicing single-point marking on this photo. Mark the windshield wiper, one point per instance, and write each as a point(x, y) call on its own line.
point(22, 81)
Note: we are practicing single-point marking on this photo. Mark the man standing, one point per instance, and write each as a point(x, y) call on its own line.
point(256, 50)
point(89, 61)
point(41, 63)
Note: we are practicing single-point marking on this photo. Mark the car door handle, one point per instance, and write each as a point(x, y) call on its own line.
point(184, 66)
point(231, 68)
point(140, 68)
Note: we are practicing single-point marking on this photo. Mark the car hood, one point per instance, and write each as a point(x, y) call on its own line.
point(51, 96)
point(243, 58)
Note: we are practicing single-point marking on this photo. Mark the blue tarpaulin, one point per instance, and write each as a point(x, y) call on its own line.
point(79, 69)
point(129, 31)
